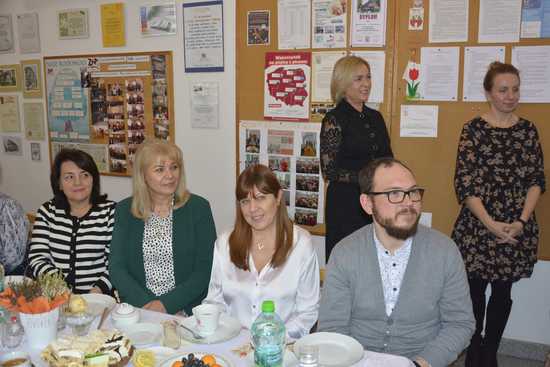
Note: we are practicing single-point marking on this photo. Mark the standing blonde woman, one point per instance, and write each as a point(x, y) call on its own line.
point(161, 253)
point(352, 135)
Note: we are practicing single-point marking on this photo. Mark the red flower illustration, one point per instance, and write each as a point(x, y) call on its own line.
point(413, 74)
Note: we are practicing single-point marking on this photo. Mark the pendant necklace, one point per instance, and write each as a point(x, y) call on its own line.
point(260, 246)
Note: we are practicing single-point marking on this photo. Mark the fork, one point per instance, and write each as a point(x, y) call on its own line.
point(193, 332)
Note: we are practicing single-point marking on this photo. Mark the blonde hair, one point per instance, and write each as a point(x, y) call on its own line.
point(342, 75)
point(146, 155)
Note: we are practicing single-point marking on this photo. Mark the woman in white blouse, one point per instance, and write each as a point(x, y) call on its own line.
point(265, 257)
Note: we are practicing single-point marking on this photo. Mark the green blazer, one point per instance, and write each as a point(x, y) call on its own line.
point(193, 239)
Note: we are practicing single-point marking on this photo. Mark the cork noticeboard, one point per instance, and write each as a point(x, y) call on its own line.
point(250, 63)
point(108, 104)
point(432, 159)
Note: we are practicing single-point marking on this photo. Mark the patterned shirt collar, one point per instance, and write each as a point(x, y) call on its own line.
point(392, 270)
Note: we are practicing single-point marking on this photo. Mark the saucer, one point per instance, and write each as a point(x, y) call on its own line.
point(144, 334)
point(228, 328)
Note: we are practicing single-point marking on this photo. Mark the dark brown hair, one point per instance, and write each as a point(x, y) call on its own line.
point(85, 162)
point(260, 177)
point(497, 68)
point(366, 175)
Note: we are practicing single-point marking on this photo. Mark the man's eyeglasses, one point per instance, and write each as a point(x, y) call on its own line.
point(398, 196)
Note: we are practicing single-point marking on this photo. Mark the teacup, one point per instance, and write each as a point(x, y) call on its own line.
point(207, 317)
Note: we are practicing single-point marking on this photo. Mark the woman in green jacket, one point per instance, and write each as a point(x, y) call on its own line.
point(162, 246)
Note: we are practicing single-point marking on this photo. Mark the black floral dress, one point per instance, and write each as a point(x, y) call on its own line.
point(497, 165)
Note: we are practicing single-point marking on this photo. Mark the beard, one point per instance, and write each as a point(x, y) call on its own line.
point(400, 233)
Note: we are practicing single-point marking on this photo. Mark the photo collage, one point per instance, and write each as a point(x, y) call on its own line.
point(292, 153)
point(126, 106)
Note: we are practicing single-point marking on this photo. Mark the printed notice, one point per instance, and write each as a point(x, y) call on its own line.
point(323, 64)
point(33, 115)
point(203, 38)
point(439, 70)
point(112, 25)
point(532, 62)
point(448, 21)
point(329, 23)
point(418, 121)
point(476, 63)
point(286, 91)
point(9, 114)
point(499, 21)
point(368, 23)
point(294, 18)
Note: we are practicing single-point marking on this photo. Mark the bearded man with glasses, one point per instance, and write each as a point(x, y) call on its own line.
point(394, 285)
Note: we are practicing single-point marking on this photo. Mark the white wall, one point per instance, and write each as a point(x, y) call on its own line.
point(209, 154)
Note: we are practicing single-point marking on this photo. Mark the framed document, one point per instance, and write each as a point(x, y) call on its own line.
point(158, 20)
point(28, 34)
point(203, 36)
point(72, 23)
point(10, 78)
point(32, 79)
point(6, 34)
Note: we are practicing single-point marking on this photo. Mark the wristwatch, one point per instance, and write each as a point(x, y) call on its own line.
point(523, 223)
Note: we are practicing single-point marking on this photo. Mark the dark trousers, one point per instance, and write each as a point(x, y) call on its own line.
point(483, 350)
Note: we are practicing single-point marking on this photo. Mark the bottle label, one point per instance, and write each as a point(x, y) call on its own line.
point(268, 357)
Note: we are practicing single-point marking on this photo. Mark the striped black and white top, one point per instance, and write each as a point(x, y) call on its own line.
point(79, 247)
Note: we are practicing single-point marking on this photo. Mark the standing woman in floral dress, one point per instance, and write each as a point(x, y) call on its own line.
point(498, 180)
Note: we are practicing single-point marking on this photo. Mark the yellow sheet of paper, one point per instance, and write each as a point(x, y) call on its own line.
point(112, 25)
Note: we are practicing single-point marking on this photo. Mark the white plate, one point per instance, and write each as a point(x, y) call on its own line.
point(222, 361)
point(335, 350)
point(228, 328)
point(97, 302)
point(144, 334)
point(289, 359)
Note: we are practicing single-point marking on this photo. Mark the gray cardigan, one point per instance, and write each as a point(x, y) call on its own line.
point(433, 316)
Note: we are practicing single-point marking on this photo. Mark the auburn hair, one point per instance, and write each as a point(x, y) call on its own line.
point(497, 68)
point(240, 241)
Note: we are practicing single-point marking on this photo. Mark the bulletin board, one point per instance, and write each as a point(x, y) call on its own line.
point(432, 159)
point(108, 104)
point(250, 63)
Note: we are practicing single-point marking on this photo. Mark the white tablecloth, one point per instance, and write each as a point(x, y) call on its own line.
point(225, 349)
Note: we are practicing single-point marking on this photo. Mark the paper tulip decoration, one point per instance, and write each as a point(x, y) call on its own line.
point(412, 84)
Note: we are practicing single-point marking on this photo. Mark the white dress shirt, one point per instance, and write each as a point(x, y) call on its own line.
point(392, 269)
point(293, 286)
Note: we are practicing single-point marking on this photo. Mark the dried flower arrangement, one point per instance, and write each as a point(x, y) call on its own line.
point(33, 296)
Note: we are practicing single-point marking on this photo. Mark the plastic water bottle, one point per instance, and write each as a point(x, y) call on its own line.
point(13, 333)
point(268, 336)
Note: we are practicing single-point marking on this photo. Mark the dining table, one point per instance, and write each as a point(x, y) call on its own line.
point(236, 351)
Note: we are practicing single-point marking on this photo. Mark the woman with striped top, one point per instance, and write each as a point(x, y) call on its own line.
point(72, 231)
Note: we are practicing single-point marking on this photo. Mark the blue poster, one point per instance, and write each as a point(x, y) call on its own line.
point(67, 89)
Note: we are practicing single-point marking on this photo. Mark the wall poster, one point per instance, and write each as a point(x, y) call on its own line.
point(108, 104)
point(291, 151)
